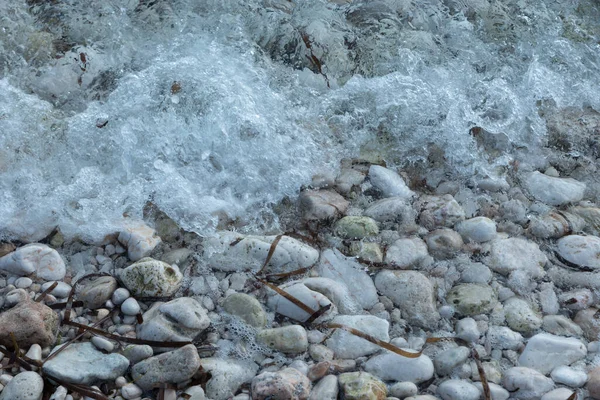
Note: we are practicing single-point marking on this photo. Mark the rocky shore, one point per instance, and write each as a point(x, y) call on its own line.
point(378, 289)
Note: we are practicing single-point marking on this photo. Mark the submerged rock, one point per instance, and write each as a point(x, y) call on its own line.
point(247, 308)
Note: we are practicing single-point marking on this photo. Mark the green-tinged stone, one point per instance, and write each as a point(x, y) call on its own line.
point(362, 386)
point(472, 299)
point(247, 308)
point(356, 227)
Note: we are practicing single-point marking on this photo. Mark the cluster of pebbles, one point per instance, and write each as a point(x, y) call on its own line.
point(508, 273)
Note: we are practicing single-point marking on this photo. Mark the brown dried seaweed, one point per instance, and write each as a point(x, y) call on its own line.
point(270, 254)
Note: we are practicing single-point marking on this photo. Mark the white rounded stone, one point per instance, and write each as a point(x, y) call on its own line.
point(36, 257)
point(455, 389)
point(24, 386)
point(283, 306)
point(119, 296)
point(478, 229)
point(388, 182)
point(526, 383)
point(467, 330)
point(558, 394)
point(569, 376)
point(402, 390)
point(234, 252)
point(131, 391)
point(447, 360)
point(130, 307)
point(23, 283)
point(334, 265)
point(504, 338)
point(497, 391)
point(62, 289)
point(508, 255)
point(583, 251)
point(404, 253)
point(102, 344)
point(346, 345)
point(552, 190)
point(393, 367)
point(544, 352)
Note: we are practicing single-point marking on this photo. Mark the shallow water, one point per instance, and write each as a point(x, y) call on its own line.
point(211, 109)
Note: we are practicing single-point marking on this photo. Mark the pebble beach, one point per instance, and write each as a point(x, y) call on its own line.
point(376, 290)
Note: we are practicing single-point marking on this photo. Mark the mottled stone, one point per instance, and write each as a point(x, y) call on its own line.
point(444, 243)
point(356, 227)
point(151, 278)
point(287, 384)
point(362, 386)
point(24, 386)
point(439, 211)
point(520, 316)
point(30, 322)
point(472, 299)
